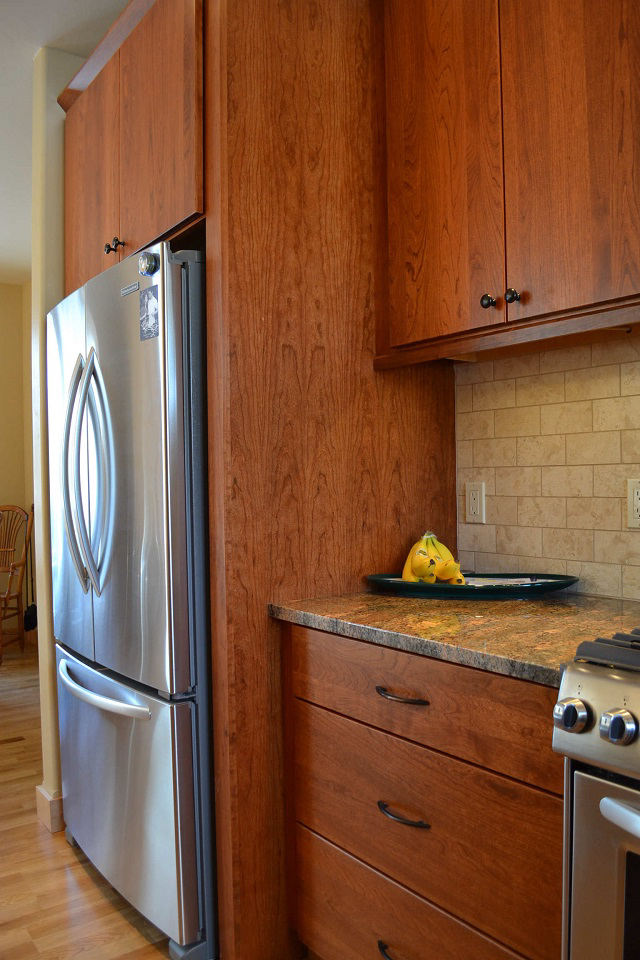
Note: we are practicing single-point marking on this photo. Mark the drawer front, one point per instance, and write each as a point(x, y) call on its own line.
point(497, 722)
point(345, 909)
point(491, 855)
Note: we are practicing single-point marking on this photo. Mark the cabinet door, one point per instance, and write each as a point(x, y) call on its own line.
point(161, 157)
point(572, 155)
point(91, 178)
point(444, 167)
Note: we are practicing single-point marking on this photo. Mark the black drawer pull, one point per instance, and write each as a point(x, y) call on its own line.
point(383, 948)
point(413, 701)
point(384, 808)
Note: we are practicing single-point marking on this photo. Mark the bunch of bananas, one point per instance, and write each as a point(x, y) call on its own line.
point(429, 561)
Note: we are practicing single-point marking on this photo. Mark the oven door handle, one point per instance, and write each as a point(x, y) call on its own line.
point(621, 814)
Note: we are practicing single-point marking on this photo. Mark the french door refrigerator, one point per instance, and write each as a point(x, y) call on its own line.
point(127, 460)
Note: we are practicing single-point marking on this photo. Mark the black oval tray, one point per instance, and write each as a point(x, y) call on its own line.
point(479, 586)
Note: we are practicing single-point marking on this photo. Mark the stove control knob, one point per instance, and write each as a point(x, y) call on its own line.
point(571, 715)
point(618, 726)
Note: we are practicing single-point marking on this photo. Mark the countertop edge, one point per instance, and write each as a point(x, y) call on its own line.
point(520, 669)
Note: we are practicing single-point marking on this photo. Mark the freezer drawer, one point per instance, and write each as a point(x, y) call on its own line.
point(127, 781)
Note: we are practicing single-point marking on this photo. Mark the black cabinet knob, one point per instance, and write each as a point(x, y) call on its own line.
point(113, 246)
point(486, 301)
point(511, 295)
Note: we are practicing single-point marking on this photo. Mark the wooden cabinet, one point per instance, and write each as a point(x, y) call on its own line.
point(92, 178)
point(133, 142)
point(512, 164)
point(477, 861)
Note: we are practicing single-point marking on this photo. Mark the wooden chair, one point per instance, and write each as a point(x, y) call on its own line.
point(15, 534)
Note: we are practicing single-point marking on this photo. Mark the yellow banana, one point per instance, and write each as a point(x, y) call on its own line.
point(419, 565)
point(447, 569)
point(459, 579)
point(444, 552)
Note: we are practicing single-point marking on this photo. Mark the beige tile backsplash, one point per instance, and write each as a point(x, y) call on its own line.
point(554, 436)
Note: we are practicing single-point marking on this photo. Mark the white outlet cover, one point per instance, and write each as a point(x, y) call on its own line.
point(633, 504)
point(475, 508)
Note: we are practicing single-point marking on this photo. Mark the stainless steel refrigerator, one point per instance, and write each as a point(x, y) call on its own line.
point(127, 473)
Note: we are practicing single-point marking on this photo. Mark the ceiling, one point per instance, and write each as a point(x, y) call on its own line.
point(74, 26)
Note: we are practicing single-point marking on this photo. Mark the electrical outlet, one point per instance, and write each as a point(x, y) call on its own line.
point(475, 503)
point(633, 503)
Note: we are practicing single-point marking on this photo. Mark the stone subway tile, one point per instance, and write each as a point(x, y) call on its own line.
point(611, 480)
point(502, 510)
point(524, 541)
point(546, 388)
point(542, 512)
point(541, 451)
point(630, 379)
point(622, 547)
point(474, 426)
point(473, 372)
point(593, 383)
point(464, 398)
point(477, 536)
point(568, 358)
point(517, 481)
point(517, 422)
point(525, 365)
point(602, 579)
point(616, 350)
point(494, 395)
point(593, 513)
point(617, 413)
point(594, 447)
point(574, 417)
point(494, 453)
point(568, 544)
point(464, 453)
point(567, 481)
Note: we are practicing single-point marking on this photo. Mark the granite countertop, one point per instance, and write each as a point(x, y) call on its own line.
point(530, 639)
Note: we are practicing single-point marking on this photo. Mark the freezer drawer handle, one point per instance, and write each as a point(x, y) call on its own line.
point(621, 814)
point(132, 710)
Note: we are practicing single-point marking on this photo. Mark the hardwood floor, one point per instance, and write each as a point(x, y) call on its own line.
point(53, 903)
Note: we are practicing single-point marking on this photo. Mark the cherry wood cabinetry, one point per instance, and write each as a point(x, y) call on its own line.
point(477, 847)
point(545, 169)
point(92, 178)
point(444, 168)
point(133, 141)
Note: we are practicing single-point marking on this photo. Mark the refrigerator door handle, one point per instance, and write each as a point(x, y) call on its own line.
point(85, 542)
point(107, 469)
point(108, 704)
point(66, 496)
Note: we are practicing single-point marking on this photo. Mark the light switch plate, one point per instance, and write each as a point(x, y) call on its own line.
point(633, 503)
point(475, 503)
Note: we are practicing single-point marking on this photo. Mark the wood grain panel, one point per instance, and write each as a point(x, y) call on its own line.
point(161, 182)
point(318, 465)
point(444, 160)
point(345, 908)
point(91, 178)
point(572, 157)
point(492, 855)
point(497, 722)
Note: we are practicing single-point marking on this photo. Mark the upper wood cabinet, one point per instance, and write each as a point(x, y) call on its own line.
point(91, 178)
point(444, 166)
point(133, 142)
point(512, 165)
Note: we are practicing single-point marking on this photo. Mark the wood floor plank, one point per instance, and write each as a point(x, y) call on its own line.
point(54, 905)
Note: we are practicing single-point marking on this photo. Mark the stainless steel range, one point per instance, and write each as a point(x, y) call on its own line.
point(596, 723)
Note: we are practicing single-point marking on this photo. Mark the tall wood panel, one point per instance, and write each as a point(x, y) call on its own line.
point(321, 470)
point(161, 122)
point(572, 156)
point(444, 158)
point(91, 178)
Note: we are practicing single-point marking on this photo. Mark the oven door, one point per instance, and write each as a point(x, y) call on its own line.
point(605, 870)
